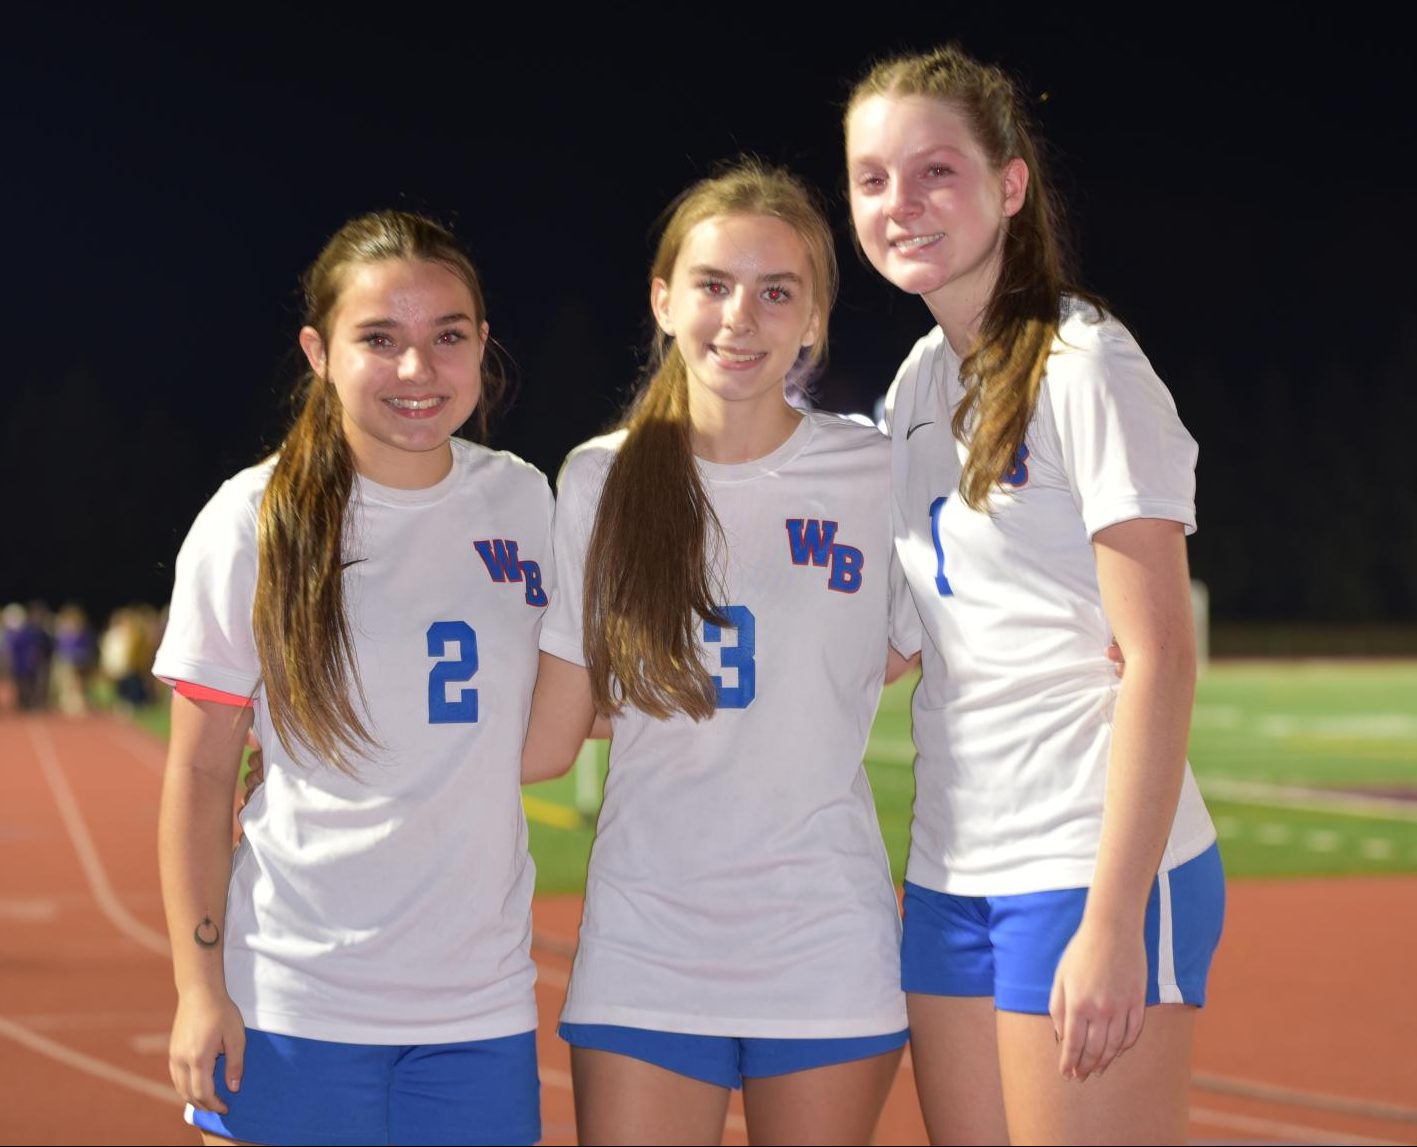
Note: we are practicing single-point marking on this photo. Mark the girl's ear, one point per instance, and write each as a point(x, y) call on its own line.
point(1015, 185)
point(814, 328)
point(659, 304)
point(314, 347)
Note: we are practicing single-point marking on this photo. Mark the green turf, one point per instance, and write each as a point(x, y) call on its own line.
point(1289, 754)
point(1271, 742)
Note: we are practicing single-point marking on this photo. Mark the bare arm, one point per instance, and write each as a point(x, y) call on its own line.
point(194, 859)
point(1098, 1002)
point(897, 666)
point(562, 715)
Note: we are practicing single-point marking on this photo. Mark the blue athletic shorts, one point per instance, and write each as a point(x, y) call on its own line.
point(727, 1060)
point(311, 1091)
point(1008, 947)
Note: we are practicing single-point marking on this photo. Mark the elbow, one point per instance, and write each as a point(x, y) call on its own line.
point(538, 767)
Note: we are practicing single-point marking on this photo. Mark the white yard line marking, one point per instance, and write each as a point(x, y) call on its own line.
point(89, 859)
point(1313, 800)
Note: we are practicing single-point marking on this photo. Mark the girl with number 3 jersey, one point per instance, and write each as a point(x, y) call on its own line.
point(368, 600)
point(1064, 893)
point(740, 924)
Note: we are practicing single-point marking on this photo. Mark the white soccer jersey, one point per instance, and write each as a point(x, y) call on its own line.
point(738, 884)
point(391, 905)
point(1012, 720)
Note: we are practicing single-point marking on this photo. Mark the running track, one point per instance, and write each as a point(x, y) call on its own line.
point(1310, 1035)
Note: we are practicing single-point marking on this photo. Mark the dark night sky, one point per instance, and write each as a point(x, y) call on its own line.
point(1236, 197)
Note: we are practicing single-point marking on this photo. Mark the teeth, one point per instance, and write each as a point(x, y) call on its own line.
point(918, 240)
point(738, 356)
point(414, 403)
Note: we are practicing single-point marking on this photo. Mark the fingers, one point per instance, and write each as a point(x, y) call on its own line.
point(235, 1059)
point(194, 1080)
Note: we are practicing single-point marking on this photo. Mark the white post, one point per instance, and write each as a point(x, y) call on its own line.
point(589, 771)
point(1200, 615)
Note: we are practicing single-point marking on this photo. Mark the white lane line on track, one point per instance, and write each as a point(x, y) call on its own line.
point(89, 859)
point(86, 1063)
point(88, 1021)
point(1285, 1132)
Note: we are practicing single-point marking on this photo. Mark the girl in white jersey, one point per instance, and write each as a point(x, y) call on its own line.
point(1063, 885)
point(369, 601)
point(740, 924)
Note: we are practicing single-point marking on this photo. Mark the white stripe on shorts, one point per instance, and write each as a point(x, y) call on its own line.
point(1166, 946)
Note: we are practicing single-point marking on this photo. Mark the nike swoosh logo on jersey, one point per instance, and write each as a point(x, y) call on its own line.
point(916, 427)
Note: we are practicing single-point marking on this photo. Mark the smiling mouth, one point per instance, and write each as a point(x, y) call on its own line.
point(736, 357)
point(415, 403)
point(915, 242)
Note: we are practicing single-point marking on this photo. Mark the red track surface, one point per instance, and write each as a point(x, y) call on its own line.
point(1310, 1035)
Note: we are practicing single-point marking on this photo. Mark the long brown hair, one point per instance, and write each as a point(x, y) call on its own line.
point(1003, 371)
point(650, 576)
point(302, 632)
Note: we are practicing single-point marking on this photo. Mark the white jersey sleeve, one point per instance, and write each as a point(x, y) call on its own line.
point(578, 494)
point(1122, 445)
point(208, 639)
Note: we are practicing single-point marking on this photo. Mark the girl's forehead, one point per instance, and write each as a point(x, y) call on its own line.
point(747, 238)
point(892, 123)
point(408, 287)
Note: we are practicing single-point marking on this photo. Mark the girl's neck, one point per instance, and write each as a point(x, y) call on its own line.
point(959, 305)
point(402, 469)
point(740, 431)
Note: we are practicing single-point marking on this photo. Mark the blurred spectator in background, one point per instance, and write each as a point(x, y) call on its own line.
point(125, 654)
point(27, 654)
point(75, 658)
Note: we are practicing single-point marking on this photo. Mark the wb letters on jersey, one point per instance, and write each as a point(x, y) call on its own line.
point(812, 541)
point(503, 562)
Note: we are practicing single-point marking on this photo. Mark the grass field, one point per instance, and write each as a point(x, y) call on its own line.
point(1309, 768)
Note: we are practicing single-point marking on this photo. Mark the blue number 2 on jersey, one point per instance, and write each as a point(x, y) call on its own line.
point(441, 711)
point(739, 657)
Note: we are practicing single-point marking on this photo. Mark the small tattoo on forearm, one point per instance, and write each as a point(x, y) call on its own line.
point(207, 934)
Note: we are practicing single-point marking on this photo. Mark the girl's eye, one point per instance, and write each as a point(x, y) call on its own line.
point(378, 341)
point(452, 338)
point(870, 182)
point(714, 286)
point(777, 294)
point(939, 170)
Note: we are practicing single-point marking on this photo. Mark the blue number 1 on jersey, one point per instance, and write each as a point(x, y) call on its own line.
point(441, 711)
point(739, 657)
point(942, 583)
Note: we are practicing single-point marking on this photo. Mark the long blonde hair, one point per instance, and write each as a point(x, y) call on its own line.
point(1004, 370)
point(649, 576)
point(301, 628)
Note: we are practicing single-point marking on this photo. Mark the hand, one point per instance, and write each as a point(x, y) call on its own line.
point(1114, 655)
point(207, 1024)
point(1098, 1003)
